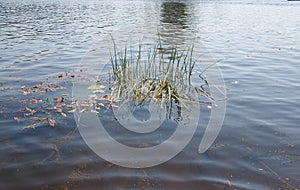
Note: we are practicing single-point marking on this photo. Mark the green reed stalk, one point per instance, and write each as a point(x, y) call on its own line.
point(160, 76)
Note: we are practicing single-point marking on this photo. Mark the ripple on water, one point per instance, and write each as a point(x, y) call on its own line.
point(257, 43)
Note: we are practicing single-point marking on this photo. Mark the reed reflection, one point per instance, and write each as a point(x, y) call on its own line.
point(175, 24)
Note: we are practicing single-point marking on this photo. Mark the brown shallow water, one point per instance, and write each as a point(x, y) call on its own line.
point(259, 48)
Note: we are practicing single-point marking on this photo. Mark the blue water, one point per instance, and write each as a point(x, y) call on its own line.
point(258, 47)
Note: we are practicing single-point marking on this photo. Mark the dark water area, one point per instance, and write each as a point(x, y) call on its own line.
point(258, 47)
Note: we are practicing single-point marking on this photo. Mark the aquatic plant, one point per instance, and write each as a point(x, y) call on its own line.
point(158, 74)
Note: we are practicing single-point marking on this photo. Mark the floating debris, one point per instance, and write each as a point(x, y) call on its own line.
point(31, 111)
point(32, 126)
point(26, 91)
point(17, 119)
point(51, 122)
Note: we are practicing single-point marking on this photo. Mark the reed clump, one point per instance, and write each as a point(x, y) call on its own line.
point(153, 73)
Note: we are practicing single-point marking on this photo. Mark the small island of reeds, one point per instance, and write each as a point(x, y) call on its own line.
point(154, 73)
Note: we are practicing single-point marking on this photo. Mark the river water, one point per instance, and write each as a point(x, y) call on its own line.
point(256, 44)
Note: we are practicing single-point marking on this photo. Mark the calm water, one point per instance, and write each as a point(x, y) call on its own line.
point(257, 43)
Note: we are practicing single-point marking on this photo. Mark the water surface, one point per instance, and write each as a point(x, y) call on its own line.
point(257, 43)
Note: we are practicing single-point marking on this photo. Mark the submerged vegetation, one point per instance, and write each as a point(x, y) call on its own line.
point(148, 73)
